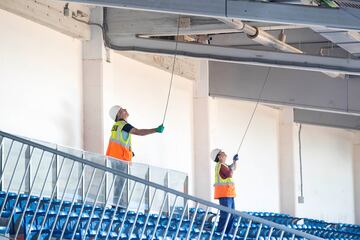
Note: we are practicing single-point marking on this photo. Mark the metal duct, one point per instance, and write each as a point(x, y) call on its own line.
point(260, 36)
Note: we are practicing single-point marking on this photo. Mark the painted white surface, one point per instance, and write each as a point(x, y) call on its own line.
point(257, 175)
point(202, 165)
point(286, 140)
point(94, 91)
point(142, 90)
point(327, 174)
point(40, 82)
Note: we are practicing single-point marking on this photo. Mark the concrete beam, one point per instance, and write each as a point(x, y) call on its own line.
point(339, 18)
point(328, 119)
point(302, 89)
point(50, 13)
point(162, 24)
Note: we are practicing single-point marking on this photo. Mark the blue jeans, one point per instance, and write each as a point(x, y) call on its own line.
point(226, 202)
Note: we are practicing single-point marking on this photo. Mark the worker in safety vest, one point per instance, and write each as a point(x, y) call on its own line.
point(120, 147)
point(224, 186)
point(120, 140)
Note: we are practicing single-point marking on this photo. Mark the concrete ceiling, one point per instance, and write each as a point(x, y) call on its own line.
point(203, 36)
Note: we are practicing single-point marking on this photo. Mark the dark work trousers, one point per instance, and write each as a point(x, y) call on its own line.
point(226, 202)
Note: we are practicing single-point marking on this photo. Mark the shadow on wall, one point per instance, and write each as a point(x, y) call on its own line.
point(65, 124)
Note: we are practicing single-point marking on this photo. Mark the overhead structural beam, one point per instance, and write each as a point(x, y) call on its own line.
point(338, 18)
point(301, 89)
point(328, 119)
point(50, 14)
point(236, 55)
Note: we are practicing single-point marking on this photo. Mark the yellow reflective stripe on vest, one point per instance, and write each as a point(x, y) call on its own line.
point(218, 180)
point(117, 134)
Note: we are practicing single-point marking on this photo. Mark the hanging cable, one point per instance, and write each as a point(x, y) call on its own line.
point(173, 69)
point(253, 113)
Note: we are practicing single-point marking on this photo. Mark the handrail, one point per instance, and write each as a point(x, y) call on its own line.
point(166, 190)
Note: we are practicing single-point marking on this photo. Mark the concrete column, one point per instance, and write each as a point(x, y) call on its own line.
point(356, 167)
point(287, 163)
point(202, 164)
point(93, 78)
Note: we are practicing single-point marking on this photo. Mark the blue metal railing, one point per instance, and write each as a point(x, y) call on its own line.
point(51, 207)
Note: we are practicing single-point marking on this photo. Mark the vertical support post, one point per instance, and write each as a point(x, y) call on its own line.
point(27, 161)
point(202, 113)
point(107, 191)
point(82, 178)
point(128, 171)
point(2, 145)
point(54, 175)
point(147, 194)
point(356, 174)
point(167, 184)
point(106, 180)
point(287, 162)
point(186, 185)
point(186, 190)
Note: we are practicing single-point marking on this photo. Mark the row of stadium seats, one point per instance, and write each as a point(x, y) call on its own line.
point(55, 217)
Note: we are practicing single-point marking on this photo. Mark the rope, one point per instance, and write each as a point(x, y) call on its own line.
point(173, 69)
point(253, 113)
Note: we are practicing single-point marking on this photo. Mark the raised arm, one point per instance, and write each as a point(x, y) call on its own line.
point(144, 132)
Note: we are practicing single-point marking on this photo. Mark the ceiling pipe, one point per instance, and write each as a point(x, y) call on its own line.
point(260, 36)
point(267, 39)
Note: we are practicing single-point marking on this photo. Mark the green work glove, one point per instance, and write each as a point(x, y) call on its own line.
point(160, 128)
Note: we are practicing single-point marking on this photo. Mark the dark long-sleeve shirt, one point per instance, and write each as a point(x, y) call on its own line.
point(225, 171)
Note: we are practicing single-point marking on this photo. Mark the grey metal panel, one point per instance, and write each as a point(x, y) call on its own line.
point(284, 86)
point(354, 94)
point(246, 10)
point(328, 119)
point(294, 14)
point(348, 40)
point(353, 48)
point(336, 36)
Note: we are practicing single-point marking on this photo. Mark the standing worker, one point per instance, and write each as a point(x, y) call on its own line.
point(120, 147)
point(120, 139)
point(224, 187)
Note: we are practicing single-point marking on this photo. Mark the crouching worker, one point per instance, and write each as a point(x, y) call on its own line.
point(224, 187)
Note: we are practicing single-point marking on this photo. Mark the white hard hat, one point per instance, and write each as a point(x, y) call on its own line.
point(214, 153)
point(114, 111)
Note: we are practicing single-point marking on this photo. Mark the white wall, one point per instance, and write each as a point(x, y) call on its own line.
point(142, 90)
point(40, 82)
point(327, 174)
point(257, 176)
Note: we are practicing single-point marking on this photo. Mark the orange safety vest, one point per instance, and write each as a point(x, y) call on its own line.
point(223, 187)
point(120, 142)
